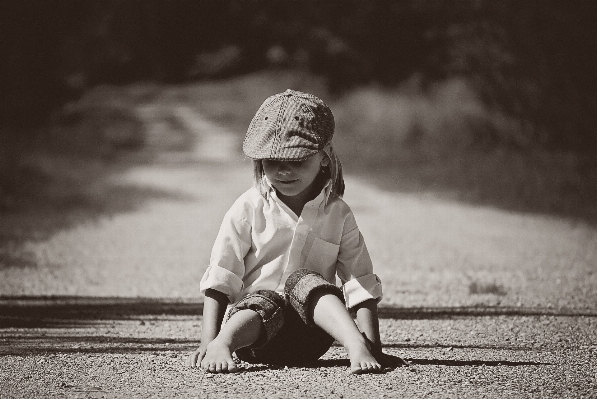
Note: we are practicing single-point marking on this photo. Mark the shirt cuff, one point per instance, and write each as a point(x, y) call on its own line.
point(361, 289)
point(223, 280)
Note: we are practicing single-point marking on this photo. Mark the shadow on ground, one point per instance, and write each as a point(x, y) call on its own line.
point(69, 311)
point(44, 344)
point(37, 325)
point(438, 362)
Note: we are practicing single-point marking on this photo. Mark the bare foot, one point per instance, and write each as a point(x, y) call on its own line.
point(218, 359)
point(361, 359)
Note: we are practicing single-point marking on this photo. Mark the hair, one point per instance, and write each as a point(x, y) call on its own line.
point(333, 172)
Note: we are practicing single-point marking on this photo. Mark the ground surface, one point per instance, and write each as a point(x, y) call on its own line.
point(100, 292)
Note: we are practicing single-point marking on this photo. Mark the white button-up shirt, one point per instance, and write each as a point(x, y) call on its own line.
point(262, 241)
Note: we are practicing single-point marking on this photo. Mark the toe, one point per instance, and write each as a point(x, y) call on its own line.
point(232, 367)
point(369, 367)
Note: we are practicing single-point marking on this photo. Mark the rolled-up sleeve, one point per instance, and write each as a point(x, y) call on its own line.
point(354, 267)
point(361, 289)
point(226, 267)
point(222, 280)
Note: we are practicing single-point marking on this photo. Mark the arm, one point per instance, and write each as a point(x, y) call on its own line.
point(362, 288)
point(368, 322)
point(214, 307)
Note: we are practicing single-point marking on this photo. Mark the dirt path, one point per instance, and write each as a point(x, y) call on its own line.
point(482, 302)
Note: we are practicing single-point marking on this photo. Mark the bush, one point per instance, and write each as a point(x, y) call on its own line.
point(446, 75)
point(414, 123)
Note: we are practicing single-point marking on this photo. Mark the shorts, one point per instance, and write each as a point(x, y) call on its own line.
point(290, 336)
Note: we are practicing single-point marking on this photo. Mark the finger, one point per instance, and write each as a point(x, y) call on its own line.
point(205, 365)
point(197, 358)
point(366, 367)
point(192, 359)
point(394, 361)
point(200, 357)
point(401, 362)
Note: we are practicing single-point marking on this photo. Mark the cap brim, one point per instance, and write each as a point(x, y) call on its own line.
point(299, 156)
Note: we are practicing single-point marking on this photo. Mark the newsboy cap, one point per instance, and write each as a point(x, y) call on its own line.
point(289, 126)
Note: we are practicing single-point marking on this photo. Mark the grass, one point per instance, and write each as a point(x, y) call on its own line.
point(443, 140)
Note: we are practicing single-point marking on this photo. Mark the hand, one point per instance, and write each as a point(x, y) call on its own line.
point(195, 358)
point(386, 361)
point(390, 361)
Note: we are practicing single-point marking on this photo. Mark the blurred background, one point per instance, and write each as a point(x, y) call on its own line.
point(484, 101)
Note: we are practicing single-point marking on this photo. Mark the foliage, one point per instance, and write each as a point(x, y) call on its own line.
point(533, 60)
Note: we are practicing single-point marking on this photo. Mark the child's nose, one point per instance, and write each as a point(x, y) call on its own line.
point(283, 168)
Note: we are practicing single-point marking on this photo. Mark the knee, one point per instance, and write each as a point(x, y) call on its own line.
point(269, 305)
point(303, 287)
point(264, 302)
point(303, 278)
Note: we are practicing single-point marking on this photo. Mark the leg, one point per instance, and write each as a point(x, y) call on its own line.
point(295, 344)
point(242, 329)
point(252, 322)
point(331, 315)
point(319, 303)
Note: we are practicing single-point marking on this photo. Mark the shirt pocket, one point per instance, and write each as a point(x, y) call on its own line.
point(323, 258)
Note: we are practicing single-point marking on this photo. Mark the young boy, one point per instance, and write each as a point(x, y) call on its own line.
point(280, 248)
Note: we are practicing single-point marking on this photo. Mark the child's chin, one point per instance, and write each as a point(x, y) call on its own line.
point(289, 191)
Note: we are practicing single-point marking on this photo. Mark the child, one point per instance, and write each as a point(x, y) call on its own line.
point(280, 248)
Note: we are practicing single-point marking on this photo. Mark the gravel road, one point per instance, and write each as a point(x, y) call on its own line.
point(99, 297)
